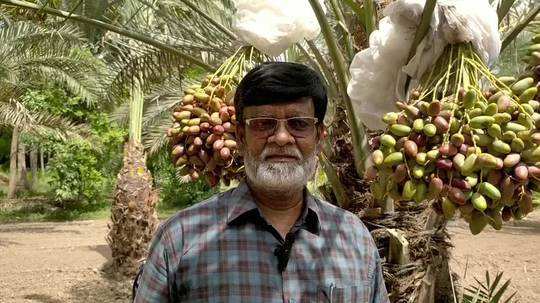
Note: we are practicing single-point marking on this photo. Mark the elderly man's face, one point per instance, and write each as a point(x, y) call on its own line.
point(283, 158)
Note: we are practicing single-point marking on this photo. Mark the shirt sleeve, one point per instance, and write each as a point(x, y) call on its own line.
point(154, 281)
point(379, 293)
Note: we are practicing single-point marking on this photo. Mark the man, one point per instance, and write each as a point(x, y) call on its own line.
point(268, 240)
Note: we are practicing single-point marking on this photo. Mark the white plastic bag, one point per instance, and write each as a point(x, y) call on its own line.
point(274, 25)
point(378, 73)
point(374, 72)
point(457, 21)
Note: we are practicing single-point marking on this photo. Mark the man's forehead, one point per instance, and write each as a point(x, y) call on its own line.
point(300, 107)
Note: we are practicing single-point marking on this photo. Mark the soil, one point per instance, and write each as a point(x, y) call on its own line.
point(57, 262)
point(514, 250)
point(65, 262)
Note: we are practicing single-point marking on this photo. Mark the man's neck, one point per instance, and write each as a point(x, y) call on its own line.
point(281, 209)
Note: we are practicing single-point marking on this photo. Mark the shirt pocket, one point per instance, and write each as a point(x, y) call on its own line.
point(332, 293)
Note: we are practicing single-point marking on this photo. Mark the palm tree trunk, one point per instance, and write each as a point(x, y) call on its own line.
point(21, 165)
point(41, 160)
point(12, 187)
point(436, 285)
point(133, 214)
point(34, 168)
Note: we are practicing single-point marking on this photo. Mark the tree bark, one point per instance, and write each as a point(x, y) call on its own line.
point(21, 165)
point(133, 214)
point(34, 168)
point(12, 187)
point(41, 160)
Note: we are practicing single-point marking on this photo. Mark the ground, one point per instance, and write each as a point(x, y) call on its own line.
point(61, 262)
point(515, 250)
point(57, 262)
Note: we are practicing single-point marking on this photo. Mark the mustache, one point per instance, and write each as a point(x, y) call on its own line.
point(287, 151)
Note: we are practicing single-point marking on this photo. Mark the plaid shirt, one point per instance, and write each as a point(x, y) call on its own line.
point(223, 250)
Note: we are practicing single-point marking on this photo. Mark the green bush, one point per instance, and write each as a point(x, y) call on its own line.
point(75, 174)
point(80, 169)
point(85, 170)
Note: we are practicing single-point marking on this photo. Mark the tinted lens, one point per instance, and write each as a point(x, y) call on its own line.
point(301, 127)
point(262, 125)
point(297, 126)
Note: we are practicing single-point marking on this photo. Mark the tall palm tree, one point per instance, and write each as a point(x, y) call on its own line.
point(200, 33)
point(148, 82)
point(137, 67)
point(44, 53)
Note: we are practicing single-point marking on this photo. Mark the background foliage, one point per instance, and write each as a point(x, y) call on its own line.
point(81, 169)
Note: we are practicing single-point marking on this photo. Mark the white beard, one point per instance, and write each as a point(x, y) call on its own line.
point(280, 177)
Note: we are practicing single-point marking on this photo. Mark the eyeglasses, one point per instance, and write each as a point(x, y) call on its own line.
point(299, 127)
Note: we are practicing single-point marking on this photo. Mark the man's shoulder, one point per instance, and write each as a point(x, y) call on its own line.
point(200, 212)
point(341, 219)
point(328, 209)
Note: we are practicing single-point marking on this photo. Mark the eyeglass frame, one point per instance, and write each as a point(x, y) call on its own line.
point(279, 120)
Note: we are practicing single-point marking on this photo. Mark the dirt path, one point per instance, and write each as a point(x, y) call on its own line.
point(515, 250)
point(61, 262)
point(57, 262)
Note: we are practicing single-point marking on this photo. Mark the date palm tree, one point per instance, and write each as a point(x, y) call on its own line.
point(199, 33)
point(44, 53)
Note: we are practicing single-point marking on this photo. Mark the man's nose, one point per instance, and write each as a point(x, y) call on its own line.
point(281, 135)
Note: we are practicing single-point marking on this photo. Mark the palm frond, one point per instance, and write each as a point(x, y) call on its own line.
point(24, 35)
point(14, 113)
point(44, 54)
point(5, 18)
point(48, 54)
point(151, 67)
point(154, 137)
point(79, 75)
point(158, 104)
point(210, 14)
point(488, 291)
point(503, 7)
point(196, 27)
point(136, 36)
point(514, 31)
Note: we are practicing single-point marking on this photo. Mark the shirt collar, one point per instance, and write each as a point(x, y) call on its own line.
point(243, 205)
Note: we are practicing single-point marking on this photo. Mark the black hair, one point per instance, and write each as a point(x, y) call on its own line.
point(274, 82)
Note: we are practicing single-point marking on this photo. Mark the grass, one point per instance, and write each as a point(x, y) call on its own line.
point(36, 206)
point(36, 209)
point(44, 211)
point(39, 209)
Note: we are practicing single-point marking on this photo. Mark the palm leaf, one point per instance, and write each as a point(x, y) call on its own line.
point(23, 35)
point(107, 26)
point(45, 53)
point(154, 137)
point(152, 67)
point(503, 8)
point(512, 33)
point(487, 291)
point(71, 73)
point(42, 124)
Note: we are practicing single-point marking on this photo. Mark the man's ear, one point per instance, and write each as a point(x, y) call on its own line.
point(322, 134)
